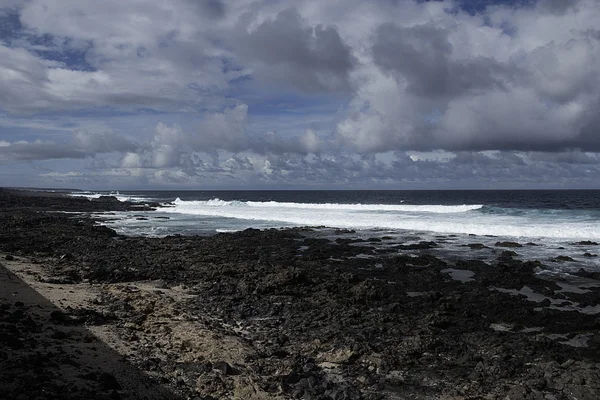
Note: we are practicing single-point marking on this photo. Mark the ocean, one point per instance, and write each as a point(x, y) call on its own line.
point(547, 223)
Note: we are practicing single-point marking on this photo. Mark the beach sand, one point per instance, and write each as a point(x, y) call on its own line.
point(49, 354)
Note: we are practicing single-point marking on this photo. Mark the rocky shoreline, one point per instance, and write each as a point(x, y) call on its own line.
point(278, 314)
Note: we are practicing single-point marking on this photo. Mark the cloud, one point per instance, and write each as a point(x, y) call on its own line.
point(104, 142)
point(9, 5)
point(32, 84)
point(69, 174)
point(287, 51)
point(557, 7)
point(136, 55)
point(311, 142)
point(459, 85)
point(226, 131)
point(24, 79)
point(388, 170)
point(568, 157)
point(420, 57)
point(211, 8)
point(82, 145)
point(37, 150)
point(191, 90)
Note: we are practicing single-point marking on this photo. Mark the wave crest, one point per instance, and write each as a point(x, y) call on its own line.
point(425, 208)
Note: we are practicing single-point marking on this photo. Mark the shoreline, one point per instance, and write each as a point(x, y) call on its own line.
point(280, 314)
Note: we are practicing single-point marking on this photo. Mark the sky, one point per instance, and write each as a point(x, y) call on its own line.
point(300, 94)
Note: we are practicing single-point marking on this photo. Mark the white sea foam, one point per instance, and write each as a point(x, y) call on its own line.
point(87, 195)
point(117, 195)
point(460, 219)
point(437, 209)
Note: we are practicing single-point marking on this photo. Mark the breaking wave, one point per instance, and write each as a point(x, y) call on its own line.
point(460, 219)
point(437, 209)
point(117, 195)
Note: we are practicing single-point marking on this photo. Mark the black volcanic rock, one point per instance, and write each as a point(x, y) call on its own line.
point(508, 244)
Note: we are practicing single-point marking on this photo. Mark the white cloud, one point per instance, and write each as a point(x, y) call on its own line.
point(548, 83)
point(37, 150)
point(69, 174)
point(131, 160)
point(141, 54)
point(311, 142)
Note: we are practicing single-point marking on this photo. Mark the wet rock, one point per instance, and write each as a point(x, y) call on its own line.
point(585, 243)
point(508, 244)
point(562, 259)
point(344, 231)
point(422, 245)
point(477, 246)
point(507, 254)
point(107, 199)
point(587, 274)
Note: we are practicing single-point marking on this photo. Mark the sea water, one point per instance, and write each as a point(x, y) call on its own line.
point(551, 222)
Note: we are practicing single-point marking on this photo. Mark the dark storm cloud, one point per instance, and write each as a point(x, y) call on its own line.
point(453, 91)
point(289, 52)
point(589, 136)
point(422, 57)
